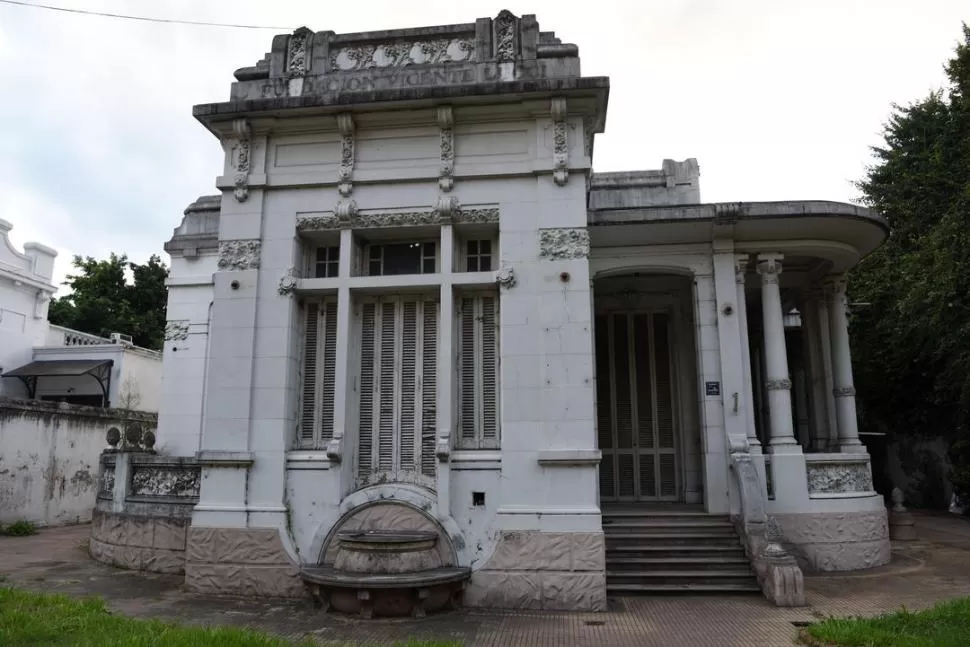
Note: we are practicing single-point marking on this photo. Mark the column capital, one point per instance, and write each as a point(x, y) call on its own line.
point(741, 267)
point(834, 285)
point(769, 267)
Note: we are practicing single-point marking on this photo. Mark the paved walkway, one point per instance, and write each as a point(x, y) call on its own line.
point(933, 568)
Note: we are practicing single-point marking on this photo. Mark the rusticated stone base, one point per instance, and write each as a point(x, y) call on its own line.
point(247, 562)
point(843, 541)
point(138, 542)
point(543, 570)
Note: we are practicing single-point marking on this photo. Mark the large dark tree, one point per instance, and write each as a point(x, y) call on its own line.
point(912, 340)
point(102, 301)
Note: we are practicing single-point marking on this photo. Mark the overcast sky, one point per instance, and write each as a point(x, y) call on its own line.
point(776, 99)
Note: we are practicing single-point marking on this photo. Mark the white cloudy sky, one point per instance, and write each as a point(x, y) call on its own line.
point(776, 99)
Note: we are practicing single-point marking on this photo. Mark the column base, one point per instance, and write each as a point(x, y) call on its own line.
point(853, 448)
point(785, 447)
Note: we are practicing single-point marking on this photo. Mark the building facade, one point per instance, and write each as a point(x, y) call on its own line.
point(414, 305)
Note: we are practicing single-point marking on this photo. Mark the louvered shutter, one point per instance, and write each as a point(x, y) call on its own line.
point(310, 351)
point(329, 366)
point(429, 390)
point(478, 358)
point(399, 346)
point(365, 431)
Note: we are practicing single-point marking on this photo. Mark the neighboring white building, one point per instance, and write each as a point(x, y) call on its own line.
point(46, 362)
point(414, 305)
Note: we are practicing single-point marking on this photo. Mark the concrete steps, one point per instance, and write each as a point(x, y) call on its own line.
point(674, 551)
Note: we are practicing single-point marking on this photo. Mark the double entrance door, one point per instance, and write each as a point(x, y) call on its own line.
point(635, 406)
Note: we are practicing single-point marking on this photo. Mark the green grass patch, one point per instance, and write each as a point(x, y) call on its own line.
point(43, 620)
point(22, 528)
point(945, 625)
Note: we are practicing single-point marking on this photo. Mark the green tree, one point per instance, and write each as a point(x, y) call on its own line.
point(102, 301)
point(912, 342)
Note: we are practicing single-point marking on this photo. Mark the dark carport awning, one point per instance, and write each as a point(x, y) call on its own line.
point(99, 369)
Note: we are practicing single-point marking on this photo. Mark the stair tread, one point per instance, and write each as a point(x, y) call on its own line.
point(669, 535)
point(673, 547)
point(739, 572)
point(661, 588)
point(678, 560)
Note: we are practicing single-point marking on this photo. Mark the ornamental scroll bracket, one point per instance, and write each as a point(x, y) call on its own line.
point(446, 209)
point(505, 277)
point(242, 154)
point(335, 451)
point(345, 175)
point(444, 116)
point(288, 281)
point(346, 212)
point(560, 141)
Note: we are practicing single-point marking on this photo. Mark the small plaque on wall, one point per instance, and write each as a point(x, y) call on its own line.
point(713, 388)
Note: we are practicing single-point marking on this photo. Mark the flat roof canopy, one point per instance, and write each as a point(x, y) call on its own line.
point(99, 369)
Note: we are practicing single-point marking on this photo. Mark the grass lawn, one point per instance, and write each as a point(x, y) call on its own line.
point(945, 625)
point(42, 620)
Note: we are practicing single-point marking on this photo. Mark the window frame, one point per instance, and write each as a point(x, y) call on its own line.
point(366, 260)
point(478, 440)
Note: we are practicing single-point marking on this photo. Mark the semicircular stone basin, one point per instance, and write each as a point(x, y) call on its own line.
point(386, 573)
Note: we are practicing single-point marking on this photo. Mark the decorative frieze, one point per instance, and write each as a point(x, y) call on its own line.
point(844, 392)
point(560, 142)
point(505, 24)
point(164, 480)
point(782, 384)
point(838, 477)
point(402, 53)
point(288, 281)
point(445, 118)
point(345, 174)
point(563, 244)
point(297, 52)
point(237, 255)
point(448, 209)
point(177, 330)
point(242, 151)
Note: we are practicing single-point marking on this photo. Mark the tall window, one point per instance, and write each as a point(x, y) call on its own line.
point(478, 371)
point(398, 379)
point(319, 348)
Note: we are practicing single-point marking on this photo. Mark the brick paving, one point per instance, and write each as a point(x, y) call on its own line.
point(933, 568)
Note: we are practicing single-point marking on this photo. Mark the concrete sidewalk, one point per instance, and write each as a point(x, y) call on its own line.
point(935, 567)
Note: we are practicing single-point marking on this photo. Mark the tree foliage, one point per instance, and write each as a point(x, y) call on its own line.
point(912, 342)
point(102, 301)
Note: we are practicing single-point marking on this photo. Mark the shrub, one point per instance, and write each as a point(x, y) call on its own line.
point(21, 528)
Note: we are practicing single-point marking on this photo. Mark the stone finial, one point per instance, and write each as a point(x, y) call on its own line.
point(898, 500)
point(148, 440)
point(113, 437)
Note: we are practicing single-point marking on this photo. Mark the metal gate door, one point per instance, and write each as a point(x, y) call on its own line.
point(635, 407)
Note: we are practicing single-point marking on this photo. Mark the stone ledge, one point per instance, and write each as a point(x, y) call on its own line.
point(569, 457)
point(214, 458)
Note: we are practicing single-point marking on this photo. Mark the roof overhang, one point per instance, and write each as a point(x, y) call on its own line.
point(838, 232)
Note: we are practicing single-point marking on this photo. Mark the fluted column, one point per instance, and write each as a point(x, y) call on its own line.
point(740, 269)
point(844, 389)
point(777, 379)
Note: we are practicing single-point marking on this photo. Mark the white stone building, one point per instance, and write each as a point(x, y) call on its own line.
point(414, 306)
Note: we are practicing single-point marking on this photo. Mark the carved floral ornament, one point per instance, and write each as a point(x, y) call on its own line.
point(237, 255)
point(560, 142)
point(177, 330)
point(446, 120)
point(783, 384)
point(837, 478)
point(769, 267)
point(563, 244)
point(505, 28)
point(166, 481)
point(447, 210)
point(345, 174)
point(242, 151)
point(288, 281)
point(402, 53)
point(297, 51)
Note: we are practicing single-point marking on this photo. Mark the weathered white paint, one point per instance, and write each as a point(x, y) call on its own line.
point(49, 460)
